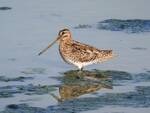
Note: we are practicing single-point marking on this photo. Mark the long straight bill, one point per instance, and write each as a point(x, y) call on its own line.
point(48, 46)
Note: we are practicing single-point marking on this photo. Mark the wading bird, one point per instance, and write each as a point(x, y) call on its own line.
point(76, 53)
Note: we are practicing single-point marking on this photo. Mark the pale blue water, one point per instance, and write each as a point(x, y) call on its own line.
point(26, 27)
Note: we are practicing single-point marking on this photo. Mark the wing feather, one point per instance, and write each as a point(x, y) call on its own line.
point(83, 53)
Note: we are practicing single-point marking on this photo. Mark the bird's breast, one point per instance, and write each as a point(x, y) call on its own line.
point(65, 51)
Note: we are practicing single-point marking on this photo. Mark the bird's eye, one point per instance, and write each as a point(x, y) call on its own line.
point(62, 33)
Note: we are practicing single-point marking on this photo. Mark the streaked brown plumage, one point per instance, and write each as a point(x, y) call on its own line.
point(77, 53)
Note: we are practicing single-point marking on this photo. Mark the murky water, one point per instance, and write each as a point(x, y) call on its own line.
point(45, 84)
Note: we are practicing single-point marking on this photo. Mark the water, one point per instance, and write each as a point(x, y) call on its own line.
point(30, 83)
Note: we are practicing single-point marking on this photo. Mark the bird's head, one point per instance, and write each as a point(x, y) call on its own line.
point(63, 34)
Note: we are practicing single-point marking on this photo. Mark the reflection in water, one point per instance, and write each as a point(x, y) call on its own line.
point(89, 82)
point(72, 87)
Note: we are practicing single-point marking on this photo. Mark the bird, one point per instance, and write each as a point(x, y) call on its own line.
point(77, 53)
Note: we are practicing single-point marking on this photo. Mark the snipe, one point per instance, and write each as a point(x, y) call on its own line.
point(76, 53)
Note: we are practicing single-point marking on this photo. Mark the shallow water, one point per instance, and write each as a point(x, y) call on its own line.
point(93, 90)
point(29, 83)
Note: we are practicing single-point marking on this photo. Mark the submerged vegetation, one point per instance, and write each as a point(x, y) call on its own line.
point(20, 79)
point(30, 89)
point(138, 98)
point(5, 8)
point(75, 85)
point(128, 26)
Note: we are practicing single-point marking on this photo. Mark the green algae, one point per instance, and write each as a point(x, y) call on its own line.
point(127, 99)
point(20, 79)
point(28, 71)
point(74, 84)
point(30, 89)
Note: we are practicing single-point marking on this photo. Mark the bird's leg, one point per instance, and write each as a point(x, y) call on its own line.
point(81, 69)
point(80, 73)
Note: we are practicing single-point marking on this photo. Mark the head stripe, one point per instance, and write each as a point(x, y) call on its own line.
point(63, 30)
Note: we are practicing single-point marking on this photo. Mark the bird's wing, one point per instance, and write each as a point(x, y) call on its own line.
point(83, 53)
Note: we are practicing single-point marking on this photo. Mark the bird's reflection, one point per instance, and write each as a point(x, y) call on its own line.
point(74, 86)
